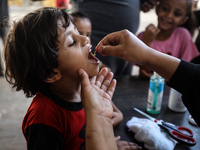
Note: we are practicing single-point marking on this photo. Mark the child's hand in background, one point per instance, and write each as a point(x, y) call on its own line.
point(150, 34)
point(125, 145)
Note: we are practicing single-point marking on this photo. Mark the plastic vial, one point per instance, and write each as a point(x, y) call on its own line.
point(155, 94)
point(175, 101)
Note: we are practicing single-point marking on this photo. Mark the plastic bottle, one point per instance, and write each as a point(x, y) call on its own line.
point(175, 101)
point(155, 94)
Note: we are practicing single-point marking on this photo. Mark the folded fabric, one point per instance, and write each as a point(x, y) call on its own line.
point(148, 132)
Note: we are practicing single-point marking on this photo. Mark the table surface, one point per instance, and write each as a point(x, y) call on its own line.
point(132, 91)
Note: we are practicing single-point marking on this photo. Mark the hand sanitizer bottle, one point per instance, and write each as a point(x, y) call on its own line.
point(155, 94)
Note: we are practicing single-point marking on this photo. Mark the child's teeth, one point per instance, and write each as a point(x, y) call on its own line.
point(91, 60)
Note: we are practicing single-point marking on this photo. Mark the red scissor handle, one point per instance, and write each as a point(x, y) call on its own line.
point(183, 139)
point(178, 136)
point(183, 130)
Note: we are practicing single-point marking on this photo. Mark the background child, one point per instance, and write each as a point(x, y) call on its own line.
point(82, 23)
point(168, 37)
point(84, 27)
point(43, 53)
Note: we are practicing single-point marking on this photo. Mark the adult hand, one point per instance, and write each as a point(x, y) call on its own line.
point(97, 92)
point(127, 46)
point(96, 95)
point(123, 44)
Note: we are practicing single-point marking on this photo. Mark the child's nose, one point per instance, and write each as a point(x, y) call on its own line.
point(170, 14)
point(85, 40)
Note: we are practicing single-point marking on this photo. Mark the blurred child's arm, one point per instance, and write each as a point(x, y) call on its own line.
point(150, 34)
point(145, 72)
point(117, 115)
point(125, 145)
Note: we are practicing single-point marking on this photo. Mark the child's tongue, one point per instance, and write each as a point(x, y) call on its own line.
point(92, 58)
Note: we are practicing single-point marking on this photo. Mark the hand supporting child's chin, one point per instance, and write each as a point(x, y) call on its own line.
point(97, 92)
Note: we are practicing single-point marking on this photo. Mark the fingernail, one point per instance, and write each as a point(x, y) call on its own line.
point(80, 72)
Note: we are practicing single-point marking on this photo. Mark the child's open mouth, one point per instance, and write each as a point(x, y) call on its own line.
point(92, 58)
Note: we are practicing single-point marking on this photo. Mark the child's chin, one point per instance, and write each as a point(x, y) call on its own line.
point(94, 73)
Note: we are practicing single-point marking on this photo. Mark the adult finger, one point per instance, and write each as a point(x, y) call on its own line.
point(85, 83)
point(101, 76)
point(111, 87)
point(107, 81)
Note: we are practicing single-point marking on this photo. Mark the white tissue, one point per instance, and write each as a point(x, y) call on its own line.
point(150, 134)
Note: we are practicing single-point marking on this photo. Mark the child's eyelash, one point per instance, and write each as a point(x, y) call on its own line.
point(73, 43)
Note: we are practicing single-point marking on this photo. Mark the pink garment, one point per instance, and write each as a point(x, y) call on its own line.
point(179, 44)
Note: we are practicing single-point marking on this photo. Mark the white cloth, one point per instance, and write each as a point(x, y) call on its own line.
point(148, 132)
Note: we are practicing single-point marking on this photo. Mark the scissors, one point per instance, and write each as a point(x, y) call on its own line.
point(181, 134)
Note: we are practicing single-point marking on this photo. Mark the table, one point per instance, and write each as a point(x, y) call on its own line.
point(132, 91)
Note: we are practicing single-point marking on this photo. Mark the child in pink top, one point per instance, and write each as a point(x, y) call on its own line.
point(169, 37)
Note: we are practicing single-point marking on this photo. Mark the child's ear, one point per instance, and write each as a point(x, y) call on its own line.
point(184, 20)
point(56, 75)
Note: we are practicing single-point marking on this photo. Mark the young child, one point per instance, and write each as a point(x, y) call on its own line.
point(82, 23)
point(43, 52)
point(84, 27)
point(168, 37)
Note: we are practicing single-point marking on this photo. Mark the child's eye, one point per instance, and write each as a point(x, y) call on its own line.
point(88, 35)
point(72, 44)
point(177, 14)
point(165, 9)
point(77, 31)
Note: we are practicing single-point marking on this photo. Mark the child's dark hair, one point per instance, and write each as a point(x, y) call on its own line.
point(191, 23)
point(31, 49)
point(79, 14)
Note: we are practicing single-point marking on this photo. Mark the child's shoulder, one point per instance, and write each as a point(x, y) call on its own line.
point(41, 108)
point(42, 111)
point(181, 31)
point(41, 103)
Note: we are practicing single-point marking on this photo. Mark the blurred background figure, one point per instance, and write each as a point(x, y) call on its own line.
point(63, 4)
point(4, 18)
point(109, 16)
point(197, 15)
point(195, 4)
